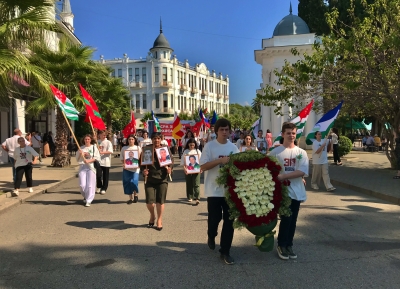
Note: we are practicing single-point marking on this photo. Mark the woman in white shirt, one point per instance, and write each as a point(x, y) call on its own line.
point(130, 177)
point(187, 137)
point(247, 144)
point(23, 164)
point(146, 140)
point(192, 180)
point(335, 144)
point(86, 156)
point(105, 150)
point(320, 162)
point(164, 142)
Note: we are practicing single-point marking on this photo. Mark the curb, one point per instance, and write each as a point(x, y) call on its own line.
point(19, 201)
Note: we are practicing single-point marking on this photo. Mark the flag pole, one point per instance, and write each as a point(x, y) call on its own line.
point(94, 133)
point(70, 128)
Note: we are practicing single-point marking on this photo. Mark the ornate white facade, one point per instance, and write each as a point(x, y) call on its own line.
point(291, 32)
point(164, 84)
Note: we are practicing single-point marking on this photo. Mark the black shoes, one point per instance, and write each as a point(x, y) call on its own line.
point(150, 225)
point(135, 199)
point(227, 259)
point(129, 202)
point(159, 228)
point(211, 243)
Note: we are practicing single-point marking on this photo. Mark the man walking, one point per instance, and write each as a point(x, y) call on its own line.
point(9, 146)
point(294, 162)
point(215, 155)
point(106, 150)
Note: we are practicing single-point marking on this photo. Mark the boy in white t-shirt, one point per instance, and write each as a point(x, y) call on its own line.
point(216, 154)
point(294, 162)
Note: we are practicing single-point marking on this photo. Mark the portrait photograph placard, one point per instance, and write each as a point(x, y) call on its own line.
point(131, 159)
point(245, 148)
point(147, 156)
point(163, 156)
point(262, 146)
point(192, 164)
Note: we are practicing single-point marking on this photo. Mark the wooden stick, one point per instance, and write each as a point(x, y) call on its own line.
point(145, 178)
point(320, 154)
point(70, 128)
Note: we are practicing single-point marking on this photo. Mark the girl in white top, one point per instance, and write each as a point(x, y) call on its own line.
point(130, 177)
point(192, 180)
point(163, 141)
point(320, 162)
point(248, 144)
point(24, 157)
point(105, 150)
point(146, 140)
point(186, 138)
point(86, 156)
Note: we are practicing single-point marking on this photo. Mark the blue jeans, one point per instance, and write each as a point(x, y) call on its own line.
point(130, 181)
point(14, 172)
point(287, 227)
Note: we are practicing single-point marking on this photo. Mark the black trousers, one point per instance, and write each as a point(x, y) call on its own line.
point(180, 151)
point(103, 185)
point(218, 209)
point(20, 173)
point(287, 227)
point(336, 157)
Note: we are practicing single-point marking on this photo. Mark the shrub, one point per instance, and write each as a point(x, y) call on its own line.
point(345, 146)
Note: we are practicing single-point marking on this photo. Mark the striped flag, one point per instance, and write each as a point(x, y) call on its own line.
point(157, 127)
point(325, 124)
point(299, 121)
point(65, 104)
point(256, 127)
point(92, 111)
point(177, 132)
point(214, 118)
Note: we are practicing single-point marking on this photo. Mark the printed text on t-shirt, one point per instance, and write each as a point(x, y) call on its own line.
point(289, 165)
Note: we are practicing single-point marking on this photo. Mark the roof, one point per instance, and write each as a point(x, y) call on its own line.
point(291, 25)
point(161, 41)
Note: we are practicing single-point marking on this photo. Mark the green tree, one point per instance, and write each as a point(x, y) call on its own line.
point(313, 13)
point(359, 66)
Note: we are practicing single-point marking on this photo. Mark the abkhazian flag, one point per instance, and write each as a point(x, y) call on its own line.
point(177, 132)
point(299, 121)
point(92, 111)
point(65, 104)
point(325, 124)
point(157, 127)
point(256, 127)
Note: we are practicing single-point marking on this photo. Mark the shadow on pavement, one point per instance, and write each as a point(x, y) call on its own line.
point(115, 225)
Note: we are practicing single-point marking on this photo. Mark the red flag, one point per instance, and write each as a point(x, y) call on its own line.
point(92, 110)
point(130, 127)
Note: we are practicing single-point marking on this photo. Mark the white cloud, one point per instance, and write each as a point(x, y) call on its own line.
point(246, 103)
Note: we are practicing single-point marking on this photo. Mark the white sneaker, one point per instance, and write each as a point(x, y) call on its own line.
point(314, 187)
point(87, 204)
point(102, 192)
point(97, 191)
point(15, 193)
point(30, 190)
point(331, 189)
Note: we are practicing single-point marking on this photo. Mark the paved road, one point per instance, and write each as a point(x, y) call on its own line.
point(344, 240)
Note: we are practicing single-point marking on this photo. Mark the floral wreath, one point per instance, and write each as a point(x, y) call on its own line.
point(254, 194)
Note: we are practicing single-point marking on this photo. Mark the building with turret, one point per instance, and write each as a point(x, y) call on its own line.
point(166, 85)
point(290, 32)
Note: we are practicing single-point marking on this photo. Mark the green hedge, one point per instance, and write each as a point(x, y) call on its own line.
point(345, 145)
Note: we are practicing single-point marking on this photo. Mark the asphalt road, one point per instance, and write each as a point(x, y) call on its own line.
point(343, 240)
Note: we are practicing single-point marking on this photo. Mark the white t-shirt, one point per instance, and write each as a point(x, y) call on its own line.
point(212, 151)
point(132, 148)
point(239, 143)
point(322, 157)
point(294, 159)
point(190, 152)
point(106, 146)
point(36, 139)
point(164, 142)
point(115, 139)
point(334, 138)
point(23, 156)
point(145, 142)
point(88, 153)
point(211, 136)
point(12, 143)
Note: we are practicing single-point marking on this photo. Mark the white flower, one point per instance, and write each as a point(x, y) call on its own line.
point(252, 207)
point(271, 206)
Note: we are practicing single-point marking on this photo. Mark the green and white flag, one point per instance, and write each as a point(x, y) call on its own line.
point(256, 127)
point(299, 121)
point(65, 104)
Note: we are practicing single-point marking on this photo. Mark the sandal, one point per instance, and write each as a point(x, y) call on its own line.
point(396, 177)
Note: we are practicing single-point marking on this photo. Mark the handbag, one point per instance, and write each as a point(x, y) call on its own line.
point(97, 166)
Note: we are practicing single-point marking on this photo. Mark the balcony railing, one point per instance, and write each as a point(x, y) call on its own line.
point(183, 87)
point(219, 95)
point(226, 97)
point(166, 84)
point(136, 84)
point(204, 92)
point(194, 90)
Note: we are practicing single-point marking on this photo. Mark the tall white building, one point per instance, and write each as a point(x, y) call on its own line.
point(164, 84)
point(290, 32)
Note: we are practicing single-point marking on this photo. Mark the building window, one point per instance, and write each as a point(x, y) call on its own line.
point(137, 75)
point(179, 102)
point(119, 72)
point(185, 103)
point(137, 101)
point(113, 73)
point(156, 76)
point(144, 74)
point(172, 101)
point(144, 101)
point(130, 74)
point(155, 54)
point(170, 74)
point(165, 54)
point(157, 100)
point(164, 74)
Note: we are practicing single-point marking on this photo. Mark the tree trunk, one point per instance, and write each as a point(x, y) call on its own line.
point(61, 155)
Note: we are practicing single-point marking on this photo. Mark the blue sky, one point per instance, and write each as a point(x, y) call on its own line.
point(220, 33)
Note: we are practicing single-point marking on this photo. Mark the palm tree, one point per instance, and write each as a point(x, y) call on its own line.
point(22, 23)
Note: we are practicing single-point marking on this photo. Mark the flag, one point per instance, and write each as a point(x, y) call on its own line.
point(203, 119)
point(299, 121)
point(130, 128)
point(324, 124)
point(157, 127)
point(177, 132)
point(214, 118)
point(256, 127)
point(65, 104)
point(92, 110)
point(205, 111)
